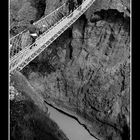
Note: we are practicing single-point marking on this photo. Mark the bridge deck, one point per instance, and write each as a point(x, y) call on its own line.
point(44, 40)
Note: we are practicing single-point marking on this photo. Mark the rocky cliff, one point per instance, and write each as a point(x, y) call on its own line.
point(87, 70)
point(28, 122)
point(29, 117)
point(23, 11)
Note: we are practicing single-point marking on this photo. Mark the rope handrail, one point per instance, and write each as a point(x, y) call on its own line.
point(46, 39)
point(50, 13)
point(37, 39)
point(17, 44)
point(39, 20)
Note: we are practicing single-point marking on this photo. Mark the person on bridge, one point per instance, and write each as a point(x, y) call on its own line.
point(71, 6)
point(79, 3)
point(33, 30)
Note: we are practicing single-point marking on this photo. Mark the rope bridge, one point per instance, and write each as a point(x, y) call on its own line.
point(22, 51)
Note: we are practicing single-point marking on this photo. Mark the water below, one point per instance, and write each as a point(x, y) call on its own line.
point(72, 129)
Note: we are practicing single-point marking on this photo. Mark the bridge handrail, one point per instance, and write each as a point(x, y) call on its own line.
point(38, 21)
point(50, 14)
point(16, 42)
point(34, 50)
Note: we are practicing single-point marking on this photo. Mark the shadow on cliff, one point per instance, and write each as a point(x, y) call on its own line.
point(107, 128)
point(28, 123)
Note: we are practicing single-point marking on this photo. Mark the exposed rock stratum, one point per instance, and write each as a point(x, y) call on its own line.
point(87, 70)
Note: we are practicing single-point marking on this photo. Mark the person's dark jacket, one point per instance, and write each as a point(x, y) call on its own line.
point(71, 5)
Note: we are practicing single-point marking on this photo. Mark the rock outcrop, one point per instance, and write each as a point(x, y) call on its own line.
point(27, 122)
point(23, 11)
point(29, 117)
point(87, 70)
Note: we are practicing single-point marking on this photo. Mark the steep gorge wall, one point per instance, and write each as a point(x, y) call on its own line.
point(23, 11)
point(87, 69)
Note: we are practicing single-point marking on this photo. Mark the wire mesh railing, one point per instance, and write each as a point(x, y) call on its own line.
point(45, 39)
point(23, 39)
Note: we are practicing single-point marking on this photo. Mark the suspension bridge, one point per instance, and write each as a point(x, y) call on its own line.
point(22, 51)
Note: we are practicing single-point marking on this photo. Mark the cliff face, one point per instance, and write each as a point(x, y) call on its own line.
point(29, 116)
point(27, 122)
point(23, 11)
point(87, 69)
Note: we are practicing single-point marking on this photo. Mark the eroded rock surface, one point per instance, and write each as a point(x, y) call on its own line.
point(29, 117)
point(23, 11)
point(27, 122)
point(87, 70)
